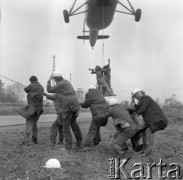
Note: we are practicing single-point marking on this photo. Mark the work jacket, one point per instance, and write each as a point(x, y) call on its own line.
point(63, 103)
point(63, 87)
point(35, 101)
point(150, 111)
point(95, 100)
point(121, 116)
point(64, 97)
point(35, 95)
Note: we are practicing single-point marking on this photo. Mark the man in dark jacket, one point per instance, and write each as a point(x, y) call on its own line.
point(125, 126)
point(96, 102)
point(152, 114)
point(67, 107)
point(34, 109)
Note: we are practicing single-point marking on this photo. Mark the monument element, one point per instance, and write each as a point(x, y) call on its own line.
point(103, 76)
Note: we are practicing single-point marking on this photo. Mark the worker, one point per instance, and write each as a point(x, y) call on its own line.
point(124, 124)
point(67, 108)
point(57, 126)
point(34, 109)
point(153, 117)
point(95, 100)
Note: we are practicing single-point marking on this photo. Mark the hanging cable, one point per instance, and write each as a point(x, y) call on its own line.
point(12, 80)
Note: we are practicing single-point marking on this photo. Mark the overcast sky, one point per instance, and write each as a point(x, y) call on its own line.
point(147, 54)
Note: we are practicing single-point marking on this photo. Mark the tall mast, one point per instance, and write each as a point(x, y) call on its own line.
point(53, 69)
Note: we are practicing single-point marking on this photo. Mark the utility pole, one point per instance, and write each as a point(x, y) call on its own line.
point(53, 69)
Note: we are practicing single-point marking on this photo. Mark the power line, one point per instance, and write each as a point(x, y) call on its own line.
point(12, 80)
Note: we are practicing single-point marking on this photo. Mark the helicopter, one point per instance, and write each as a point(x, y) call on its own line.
point(98, 16)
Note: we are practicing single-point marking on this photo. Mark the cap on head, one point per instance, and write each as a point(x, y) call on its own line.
point(53, 163)
point(136, 90)
point(112, 101)
point(92, 86)
point(57, 74)
point(33, 79)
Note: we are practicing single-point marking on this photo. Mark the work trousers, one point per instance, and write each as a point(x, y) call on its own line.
point(135, 141)
point(121, 139)
point(66, 123)
point(148, 136)
point(93, 136)
point(147, 147)
point(149, 142)
point(31, 127)
point(56, 128)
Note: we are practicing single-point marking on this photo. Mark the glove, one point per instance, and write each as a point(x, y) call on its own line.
point(136, 101)
point(133, 103)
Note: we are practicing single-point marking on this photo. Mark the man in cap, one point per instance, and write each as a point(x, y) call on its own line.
point(124, 125)
point(34, 109)
point(152, 114)
point(95, 100)
point(67, 107)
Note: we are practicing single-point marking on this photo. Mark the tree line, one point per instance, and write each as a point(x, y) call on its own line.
point(11, 93)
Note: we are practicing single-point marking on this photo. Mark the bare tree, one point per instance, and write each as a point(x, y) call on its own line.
point(9, 95)
point(1, 91)
point(18, 91)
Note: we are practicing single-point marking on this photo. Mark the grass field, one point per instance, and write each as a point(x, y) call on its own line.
point(26, 162)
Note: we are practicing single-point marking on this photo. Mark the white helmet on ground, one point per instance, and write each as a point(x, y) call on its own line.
point(57, 73)
point(92, 86)
point(112, 101)
point(53, 163)
point(136, 90)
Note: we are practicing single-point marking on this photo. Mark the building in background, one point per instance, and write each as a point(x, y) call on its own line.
point(80, 93)
point(171, 101)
